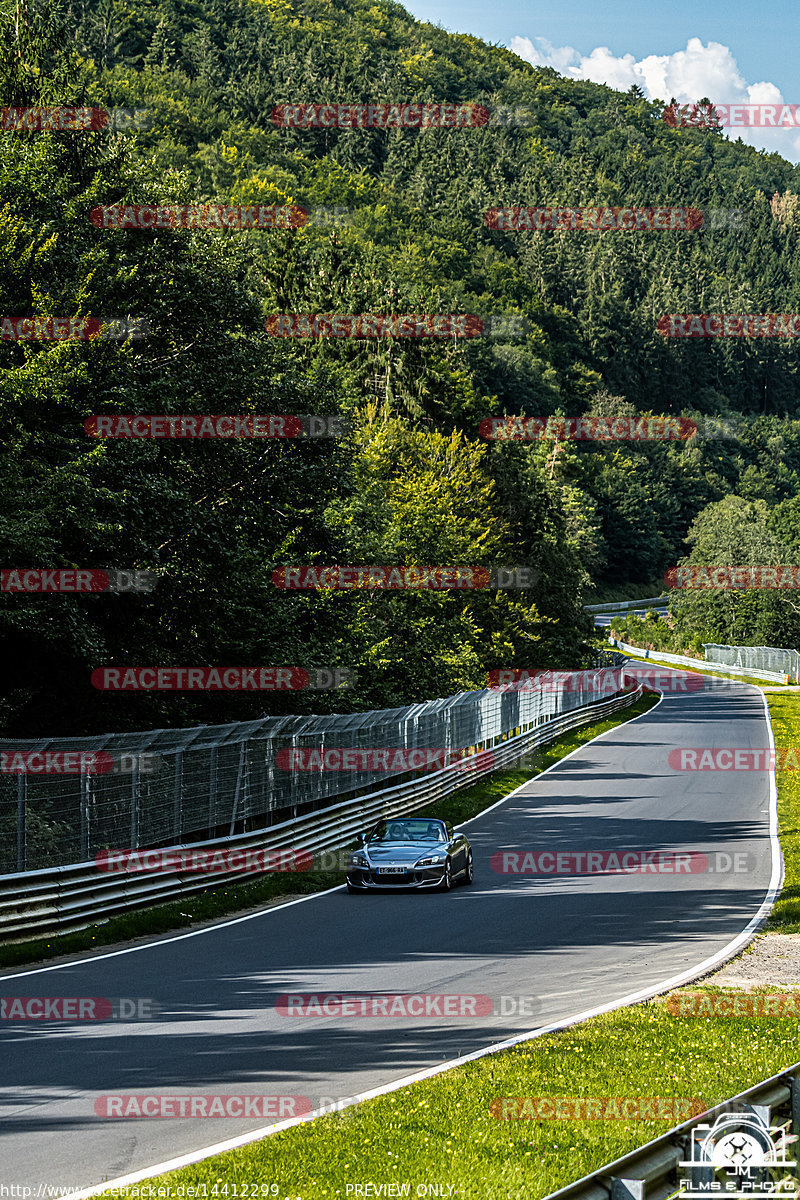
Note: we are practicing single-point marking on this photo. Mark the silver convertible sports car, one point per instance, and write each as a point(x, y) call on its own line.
point(410, 852)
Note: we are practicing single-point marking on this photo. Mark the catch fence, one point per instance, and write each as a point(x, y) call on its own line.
point(169, 787)
point(757, 658)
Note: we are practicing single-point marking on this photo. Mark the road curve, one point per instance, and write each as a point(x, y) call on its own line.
point(575, 942)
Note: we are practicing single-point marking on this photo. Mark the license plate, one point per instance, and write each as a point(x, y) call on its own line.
point(391, 870)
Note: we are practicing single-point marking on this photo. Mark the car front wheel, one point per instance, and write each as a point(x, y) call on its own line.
point(469, 872)
point(447, 878)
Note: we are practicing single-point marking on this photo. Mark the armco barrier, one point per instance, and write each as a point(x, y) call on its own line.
point(682, 660)
point(627, 605)
point(39, 903)
point(652, 1171)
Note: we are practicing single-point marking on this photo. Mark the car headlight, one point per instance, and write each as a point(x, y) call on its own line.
point(431, 860)
point(358, 860)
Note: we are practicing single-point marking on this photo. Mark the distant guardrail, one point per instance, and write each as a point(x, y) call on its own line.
point(623, 605)
point(40, 903)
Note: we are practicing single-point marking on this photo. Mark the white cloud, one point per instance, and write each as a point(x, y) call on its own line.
point(688, 75)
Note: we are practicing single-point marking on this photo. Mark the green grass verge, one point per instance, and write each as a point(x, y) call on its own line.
point(441, 1131)
point(784, 711)
point(214, 903)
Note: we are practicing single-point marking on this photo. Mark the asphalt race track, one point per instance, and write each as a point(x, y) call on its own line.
point(574, 942)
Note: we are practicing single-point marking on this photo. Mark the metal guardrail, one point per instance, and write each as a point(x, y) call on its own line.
point(55, 899)
point(683, 660)
point(626, 605)
point(651, 1172)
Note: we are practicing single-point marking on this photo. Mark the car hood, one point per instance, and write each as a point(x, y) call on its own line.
point(402, 852)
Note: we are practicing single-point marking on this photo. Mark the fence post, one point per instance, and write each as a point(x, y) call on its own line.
point(22, 786)
point(212, 789)
point(135, 803)
point(176, 809)
point(85, 795)
point(239, 777)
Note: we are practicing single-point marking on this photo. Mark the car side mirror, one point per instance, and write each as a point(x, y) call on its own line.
point(362, 839)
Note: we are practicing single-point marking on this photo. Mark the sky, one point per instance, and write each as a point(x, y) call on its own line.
point(737, 52)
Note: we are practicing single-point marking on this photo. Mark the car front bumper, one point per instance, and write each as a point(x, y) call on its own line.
point(415, 877)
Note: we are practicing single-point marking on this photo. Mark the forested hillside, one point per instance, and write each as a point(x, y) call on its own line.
point(413, 482)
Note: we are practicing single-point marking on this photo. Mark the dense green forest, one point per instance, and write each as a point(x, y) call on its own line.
point(412, 482)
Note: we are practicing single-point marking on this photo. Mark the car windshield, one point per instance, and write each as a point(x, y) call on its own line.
point(408, 831)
